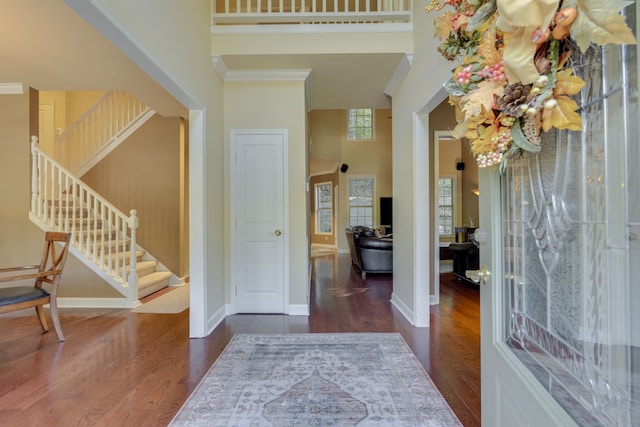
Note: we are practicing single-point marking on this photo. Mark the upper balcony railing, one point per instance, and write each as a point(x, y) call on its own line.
point(313, 12)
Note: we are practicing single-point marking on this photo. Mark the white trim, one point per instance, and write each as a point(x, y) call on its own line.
point(266, 75)
point(220, 66)
point(11, 88)
point(298, 310)
point(399, 74)
point(216, 318)
point(421, 208)
point(312, 29)
point(198, 254)
point(315, 208)
point(373, 198)
point(403, 308)
point(91, 302)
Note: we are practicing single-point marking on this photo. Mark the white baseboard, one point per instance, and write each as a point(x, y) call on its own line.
point(216, 319)
point(70, 302)
point(403, 308)
point(298, 309)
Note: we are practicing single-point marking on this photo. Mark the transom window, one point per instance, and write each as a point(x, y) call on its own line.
point(324, 208)
point(445, 213)
point(360, 124)
point(361, 191)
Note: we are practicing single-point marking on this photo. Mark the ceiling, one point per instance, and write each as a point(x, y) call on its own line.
point(47, 46)
point(338, 81)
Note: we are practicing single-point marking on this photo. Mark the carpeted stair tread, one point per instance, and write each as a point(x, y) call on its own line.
point(127, 256)
point(144, 268)
point(153, 282)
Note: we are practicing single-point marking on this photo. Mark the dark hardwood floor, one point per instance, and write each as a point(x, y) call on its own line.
point(119, 368)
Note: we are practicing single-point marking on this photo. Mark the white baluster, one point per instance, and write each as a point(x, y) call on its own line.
point(133, 274)
point(93, 218)
point(35, 181)
point(60, 199)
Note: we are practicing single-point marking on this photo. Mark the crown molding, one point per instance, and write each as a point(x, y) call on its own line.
point(11, 88)
point(219, 66)
point(266, 75)
point(399, 74)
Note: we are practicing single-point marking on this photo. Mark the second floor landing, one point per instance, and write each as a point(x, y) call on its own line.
point(356, 50)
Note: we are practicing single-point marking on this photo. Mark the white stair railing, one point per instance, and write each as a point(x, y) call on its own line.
point(102, 127)
point(99, 231)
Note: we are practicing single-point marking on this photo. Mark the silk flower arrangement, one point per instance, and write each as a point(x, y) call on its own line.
point(514, 80)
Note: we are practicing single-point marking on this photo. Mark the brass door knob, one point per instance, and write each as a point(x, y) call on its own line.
point(277, 232)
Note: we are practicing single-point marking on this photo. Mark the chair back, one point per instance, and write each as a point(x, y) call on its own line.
point(53, 258)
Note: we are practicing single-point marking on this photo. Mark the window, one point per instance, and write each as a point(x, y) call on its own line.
point(361, 192)
point(360, 124)
point(324, 208)
point(446, 197)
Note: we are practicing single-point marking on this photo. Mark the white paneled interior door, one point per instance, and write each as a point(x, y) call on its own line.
point(258, 214)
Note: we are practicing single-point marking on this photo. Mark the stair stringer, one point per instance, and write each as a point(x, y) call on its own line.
point(102, 272)
point(114, 142)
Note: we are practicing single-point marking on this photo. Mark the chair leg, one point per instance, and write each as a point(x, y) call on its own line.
point(56, 319)
point(42, 318)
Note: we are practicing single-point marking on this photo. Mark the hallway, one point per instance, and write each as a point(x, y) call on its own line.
point(122, 368)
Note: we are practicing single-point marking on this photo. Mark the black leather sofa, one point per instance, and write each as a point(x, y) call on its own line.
point(466, 256)
point(370, 254)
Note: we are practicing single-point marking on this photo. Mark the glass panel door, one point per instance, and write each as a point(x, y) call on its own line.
point(572, 249)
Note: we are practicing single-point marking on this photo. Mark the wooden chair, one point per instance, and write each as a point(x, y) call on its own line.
point(49, 271)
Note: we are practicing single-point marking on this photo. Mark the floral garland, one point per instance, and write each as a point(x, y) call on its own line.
point(514, 81)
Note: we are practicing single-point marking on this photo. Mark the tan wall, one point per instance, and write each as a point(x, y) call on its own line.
point(329, 142)
point(470, 209)
point(322, 239)
point(143, 173)
point(77, 103)
point(22, 241)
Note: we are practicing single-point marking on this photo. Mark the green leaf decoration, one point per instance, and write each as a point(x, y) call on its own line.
point(453, 88)
point(481, 15)
point(521, 141)
point(600, 22)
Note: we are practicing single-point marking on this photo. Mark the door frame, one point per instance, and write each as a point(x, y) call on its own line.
point(517, 384)
point(233, 235)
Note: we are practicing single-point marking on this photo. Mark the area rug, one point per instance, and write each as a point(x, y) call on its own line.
point(370, 379)
point(175, 301)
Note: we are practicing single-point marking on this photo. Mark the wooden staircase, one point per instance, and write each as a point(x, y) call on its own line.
point(103, 238)
point(105, 246)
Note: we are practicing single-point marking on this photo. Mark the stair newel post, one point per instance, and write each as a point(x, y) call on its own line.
point(36, 203)
point(133, 274)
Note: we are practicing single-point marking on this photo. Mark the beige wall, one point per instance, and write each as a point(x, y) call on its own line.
point(419, 92)
point(329, 142)
point(249, 105)
point(143, 173)
point(22, 241)
point(69, 106)
point(470, 208)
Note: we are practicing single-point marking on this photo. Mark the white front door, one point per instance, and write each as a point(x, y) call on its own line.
point(259, 235)
point(511, 396)
point(558, 234)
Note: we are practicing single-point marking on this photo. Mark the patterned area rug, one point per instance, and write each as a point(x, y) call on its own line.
point(316, 380)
